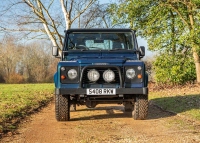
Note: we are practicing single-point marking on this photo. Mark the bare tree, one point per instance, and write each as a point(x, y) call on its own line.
point(44, 17)
point(37, 63)
point(40, 19)
point(25, 63)
point(98, 16)
point(10, 57)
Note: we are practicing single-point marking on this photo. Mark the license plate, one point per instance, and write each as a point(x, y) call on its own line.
point(101, 91)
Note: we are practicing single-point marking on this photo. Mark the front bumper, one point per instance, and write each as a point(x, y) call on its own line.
point(119, 91)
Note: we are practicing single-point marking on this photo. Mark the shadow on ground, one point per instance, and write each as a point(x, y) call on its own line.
point(179, 104)
point(106, 113)
point(118, 112)
point(158, 108)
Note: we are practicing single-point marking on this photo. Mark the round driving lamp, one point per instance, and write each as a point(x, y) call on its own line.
point(72, 74)
point(108, 75)
point(93, 75)
point(130, 73)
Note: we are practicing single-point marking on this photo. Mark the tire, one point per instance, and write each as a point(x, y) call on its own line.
point(140, 107)
point(62, 107)
point(128, 107)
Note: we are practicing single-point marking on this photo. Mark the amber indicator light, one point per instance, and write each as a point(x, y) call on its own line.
point(62, 77)
point(139, 76)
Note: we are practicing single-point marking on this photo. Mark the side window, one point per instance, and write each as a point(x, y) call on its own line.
point(130, 42)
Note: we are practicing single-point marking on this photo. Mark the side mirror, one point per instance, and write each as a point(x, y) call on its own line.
point(55, 51)
point(142, 51)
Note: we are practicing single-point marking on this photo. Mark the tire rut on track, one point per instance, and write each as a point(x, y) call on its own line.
point(107, 124)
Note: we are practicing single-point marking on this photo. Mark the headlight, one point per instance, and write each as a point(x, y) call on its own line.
point(62, 68)
point(139, 68)
point(93, 75)
point(108, 75)
point(130, 73)
point(72, 74)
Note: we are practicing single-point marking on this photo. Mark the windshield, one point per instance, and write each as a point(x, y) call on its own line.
point(100, 41)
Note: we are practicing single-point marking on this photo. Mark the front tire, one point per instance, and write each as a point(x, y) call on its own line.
point(140, 107)
point(62, 107)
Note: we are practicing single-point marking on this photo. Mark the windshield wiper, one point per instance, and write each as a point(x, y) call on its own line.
point(117, 49)
point(84, 49)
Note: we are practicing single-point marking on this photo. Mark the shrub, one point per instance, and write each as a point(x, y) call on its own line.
point(174, 69)
point(15, 78)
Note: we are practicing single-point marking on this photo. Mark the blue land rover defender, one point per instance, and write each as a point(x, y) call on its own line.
point(100, 66)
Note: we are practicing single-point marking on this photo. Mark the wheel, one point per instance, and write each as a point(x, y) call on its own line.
point(62, 107)
point(128, 107)
point(91, 104)
point(140, 110)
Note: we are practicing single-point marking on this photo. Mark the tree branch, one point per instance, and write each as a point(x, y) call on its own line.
point(181, 16)
point(81, 12)
point(53, 23)
point(65, 14)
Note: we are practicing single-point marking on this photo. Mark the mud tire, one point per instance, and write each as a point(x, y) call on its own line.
point(140, 111)
point(62, 107)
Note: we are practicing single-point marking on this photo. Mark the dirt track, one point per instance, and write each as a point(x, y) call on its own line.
point(106, 124)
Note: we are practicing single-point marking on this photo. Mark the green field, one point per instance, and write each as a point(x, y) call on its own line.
point(18, 100)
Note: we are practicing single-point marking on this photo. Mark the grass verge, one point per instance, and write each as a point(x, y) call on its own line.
point(18, 100)
point(183, 100)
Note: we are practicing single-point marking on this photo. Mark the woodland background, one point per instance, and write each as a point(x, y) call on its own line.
point(29, 28)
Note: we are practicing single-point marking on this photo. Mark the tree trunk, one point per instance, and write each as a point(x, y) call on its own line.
point(195, 53)
point(197, 64)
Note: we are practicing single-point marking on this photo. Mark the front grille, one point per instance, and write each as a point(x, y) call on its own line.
point(85, 79)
